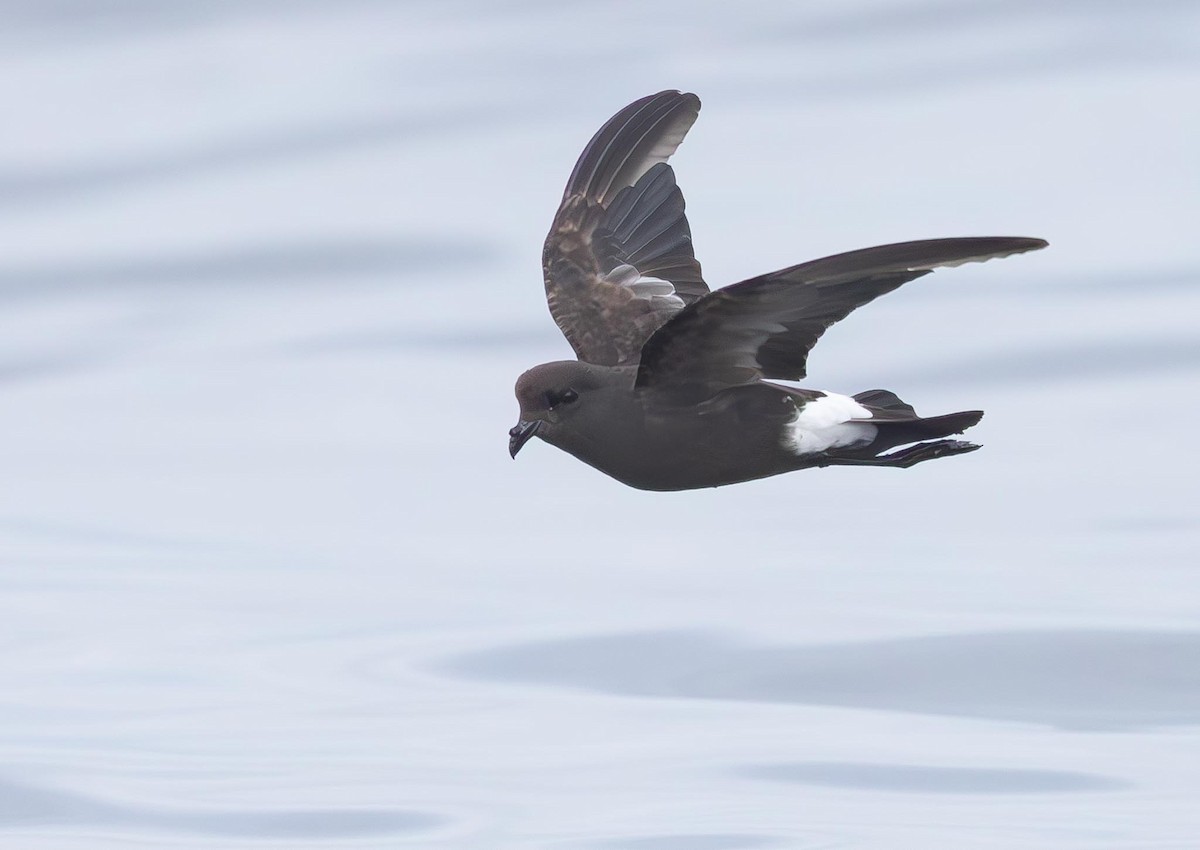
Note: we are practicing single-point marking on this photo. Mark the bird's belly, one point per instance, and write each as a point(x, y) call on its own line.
point(702, 454)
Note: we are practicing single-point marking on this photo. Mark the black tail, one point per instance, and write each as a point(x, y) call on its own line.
point(885, 400)
point(898, 425)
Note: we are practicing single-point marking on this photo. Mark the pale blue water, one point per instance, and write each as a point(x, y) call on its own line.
point(269, 578)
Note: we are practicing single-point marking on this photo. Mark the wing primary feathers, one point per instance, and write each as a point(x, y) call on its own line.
point(642, 134)
point(635, 205)
point(924, 254)
point(646, 226)
point(764, 327)
point(632, 137)
point(621, 207)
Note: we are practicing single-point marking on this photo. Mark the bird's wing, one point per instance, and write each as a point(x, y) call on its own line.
point(618, 261)
point(764, 327)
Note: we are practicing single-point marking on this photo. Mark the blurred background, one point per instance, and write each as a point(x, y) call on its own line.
point(268, 577)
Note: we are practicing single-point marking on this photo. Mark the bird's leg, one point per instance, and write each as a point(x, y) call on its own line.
point(905, 458)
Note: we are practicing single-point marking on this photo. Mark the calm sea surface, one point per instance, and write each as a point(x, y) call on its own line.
point(268, 577)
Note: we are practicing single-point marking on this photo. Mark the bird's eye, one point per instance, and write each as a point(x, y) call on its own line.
point(554, 398)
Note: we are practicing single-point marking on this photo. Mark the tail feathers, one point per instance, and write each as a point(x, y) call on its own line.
point(898, 423)
point(885, 400)
point(899, 432)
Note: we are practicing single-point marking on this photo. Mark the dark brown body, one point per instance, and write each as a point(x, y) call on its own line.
point(674, 386)
point(653, 441)
point(738, 435)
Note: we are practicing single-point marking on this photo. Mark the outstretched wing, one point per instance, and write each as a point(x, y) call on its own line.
point(618, 261)
point(764, 327)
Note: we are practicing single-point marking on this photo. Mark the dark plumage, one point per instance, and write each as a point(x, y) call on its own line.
point(672, 389)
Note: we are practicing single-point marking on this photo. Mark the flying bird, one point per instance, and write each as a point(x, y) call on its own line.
point(675, 386)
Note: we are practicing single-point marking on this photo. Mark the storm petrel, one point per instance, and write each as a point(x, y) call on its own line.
point(674, 386)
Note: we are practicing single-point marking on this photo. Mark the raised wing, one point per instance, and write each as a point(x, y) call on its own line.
point(618, 261)
point(764, 327)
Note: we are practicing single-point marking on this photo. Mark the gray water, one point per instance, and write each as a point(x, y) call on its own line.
point(268, 577)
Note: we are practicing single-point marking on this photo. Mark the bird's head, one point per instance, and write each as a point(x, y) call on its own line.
point(557, 402)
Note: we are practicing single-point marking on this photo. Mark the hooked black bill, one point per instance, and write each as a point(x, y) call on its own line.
point(520, 434)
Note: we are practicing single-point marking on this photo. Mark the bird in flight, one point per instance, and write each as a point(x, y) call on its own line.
point(675, 386)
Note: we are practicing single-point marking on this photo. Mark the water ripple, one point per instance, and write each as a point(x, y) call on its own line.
point(26, 806)
point(327, 262)
point(1097, 680)
point(920, 778)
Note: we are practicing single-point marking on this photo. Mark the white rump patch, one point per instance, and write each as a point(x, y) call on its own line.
point(659, 292)
point(830, 422)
